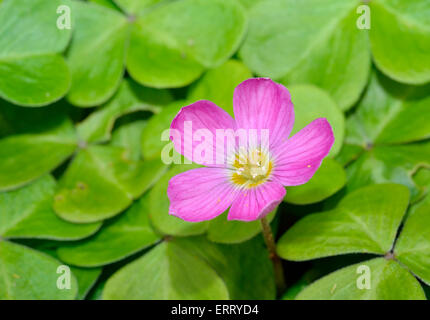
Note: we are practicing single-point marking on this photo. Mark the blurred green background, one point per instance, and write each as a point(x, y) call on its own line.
point(87, 88)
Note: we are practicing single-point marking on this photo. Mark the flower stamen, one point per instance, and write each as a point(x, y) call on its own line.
point(251, 169)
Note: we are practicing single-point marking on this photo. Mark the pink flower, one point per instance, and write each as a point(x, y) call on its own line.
point(251, 181)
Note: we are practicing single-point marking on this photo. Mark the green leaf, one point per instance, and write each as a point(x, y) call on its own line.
point(406, 59)
point(97, 291)
point(388, 281)
point(222, 230)
point(349, 153)
point(389, 164)
point(138, 176)
point(129, 136)
point(168, 271)
point(102, 181)
point(86, 280)
point(295, 289)
point(249, 3)
point(409, 124)
point(405, 110)
point(33, 81)
point(329, 179)
point(27, 213)
point(37, 150)
point(152, 143)
point(217, 85)
point(383, 157)
point(106, 3)
point(153, 63)
point(412, 247)
point(364, 221)
point(306, 110)
point(96, 55)
point(86, 277)
point(26, 274)
point(172, 44)
point(327, 50)
point(32, 73)
point(422, 177)
point(130, 97)
point(247, 276)
point(159, 208)
point(119, 238)
point(136, 6)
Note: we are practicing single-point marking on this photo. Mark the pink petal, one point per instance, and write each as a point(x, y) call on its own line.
point(206, 117)
point(200, 194)
point(261, 103)
point(256, 203)
point(297, 159)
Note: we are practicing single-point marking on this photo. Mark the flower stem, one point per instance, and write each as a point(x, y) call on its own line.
point(276, 261)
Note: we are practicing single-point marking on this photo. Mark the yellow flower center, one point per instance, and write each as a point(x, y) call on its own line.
point(251, 169)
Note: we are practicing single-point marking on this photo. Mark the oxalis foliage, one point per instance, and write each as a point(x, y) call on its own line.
point(82, 183)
